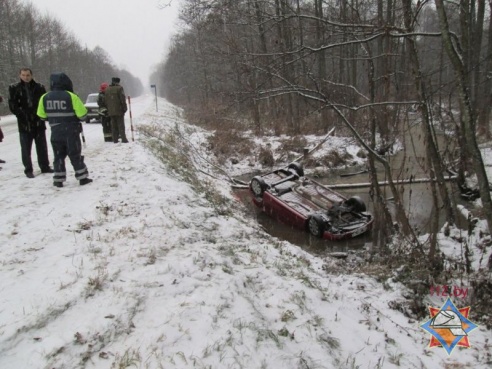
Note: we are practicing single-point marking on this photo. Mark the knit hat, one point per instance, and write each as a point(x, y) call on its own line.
point(103, 87)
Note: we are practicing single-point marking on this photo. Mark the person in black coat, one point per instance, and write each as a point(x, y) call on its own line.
point(23, 102)
point(1, 134)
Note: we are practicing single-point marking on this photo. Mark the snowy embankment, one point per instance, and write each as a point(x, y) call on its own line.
point(139, 270)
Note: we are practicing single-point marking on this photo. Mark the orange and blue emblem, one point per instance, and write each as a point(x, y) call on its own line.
point(449, 326)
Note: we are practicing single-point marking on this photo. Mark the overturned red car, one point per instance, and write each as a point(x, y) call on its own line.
point(287, 195)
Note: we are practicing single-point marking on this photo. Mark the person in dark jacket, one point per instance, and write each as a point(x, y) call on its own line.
point(64, 110)
point(116, 104)
point(23, 102)
point(1, 134)
point(1, 138)
point(103, 112)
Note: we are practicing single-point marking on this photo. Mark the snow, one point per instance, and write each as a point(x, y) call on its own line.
point(138, 269)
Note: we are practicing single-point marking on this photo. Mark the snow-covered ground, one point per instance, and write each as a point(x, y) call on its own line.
point(137, 270)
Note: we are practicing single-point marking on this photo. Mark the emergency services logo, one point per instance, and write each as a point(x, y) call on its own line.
point(449, 326)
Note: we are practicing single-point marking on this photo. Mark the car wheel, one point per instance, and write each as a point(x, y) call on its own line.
point(297, 168)
point(356, 204)
point(316, 225)
point(258, 186)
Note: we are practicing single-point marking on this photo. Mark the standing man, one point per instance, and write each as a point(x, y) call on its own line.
point(116, 105)
point(1, 133)
point(103, 113)
point(64, 110)
point(23, 102)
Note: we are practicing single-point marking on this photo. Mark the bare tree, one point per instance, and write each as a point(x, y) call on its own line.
point(44, 44)
point(484, 97)
point(467, 116)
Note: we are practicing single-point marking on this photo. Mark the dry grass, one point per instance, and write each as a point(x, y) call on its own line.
point(228, 144)
point(293, 144)
point(332, 159)
point(174, 150)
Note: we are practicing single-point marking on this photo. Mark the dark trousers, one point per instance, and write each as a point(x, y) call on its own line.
point(106, 126)
point(38, 136)
point(118, 127)
point(65, 140)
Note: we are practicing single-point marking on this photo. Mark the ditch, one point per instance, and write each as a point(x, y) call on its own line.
point(417, 197)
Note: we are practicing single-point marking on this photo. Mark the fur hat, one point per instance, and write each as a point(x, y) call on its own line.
point(115, 80)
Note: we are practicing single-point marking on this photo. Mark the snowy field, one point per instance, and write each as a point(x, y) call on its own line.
point(136, 270)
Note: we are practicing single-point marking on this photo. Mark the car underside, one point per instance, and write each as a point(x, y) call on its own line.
point(308, 205)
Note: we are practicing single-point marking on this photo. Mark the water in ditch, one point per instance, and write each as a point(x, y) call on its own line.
point(417, 198)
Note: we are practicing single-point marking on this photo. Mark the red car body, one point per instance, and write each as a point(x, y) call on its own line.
point(303, 203)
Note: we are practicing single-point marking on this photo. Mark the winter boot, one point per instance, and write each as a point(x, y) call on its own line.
point(58, 184)
point(85, 181)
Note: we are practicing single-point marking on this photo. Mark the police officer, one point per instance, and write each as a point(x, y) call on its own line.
point(64, 110)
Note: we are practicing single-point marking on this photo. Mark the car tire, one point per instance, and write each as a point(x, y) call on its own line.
point(297, 168)
point(356, 204)
point(258, 186)
point(316, 225)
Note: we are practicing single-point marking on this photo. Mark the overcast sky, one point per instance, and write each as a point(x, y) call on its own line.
point(135, 34)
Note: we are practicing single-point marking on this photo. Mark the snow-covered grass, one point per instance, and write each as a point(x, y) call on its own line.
point(144, 268)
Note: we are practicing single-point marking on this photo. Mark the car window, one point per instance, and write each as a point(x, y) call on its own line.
point(92, 98)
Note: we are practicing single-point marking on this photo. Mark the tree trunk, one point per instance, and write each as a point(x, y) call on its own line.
point(467, 117)
point(436, 167)
point(384, 216)
point(485, 100)
point(477, 28)
point(321, 57)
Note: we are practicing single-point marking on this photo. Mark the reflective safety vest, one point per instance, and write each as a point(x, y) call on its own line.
point(60, 107)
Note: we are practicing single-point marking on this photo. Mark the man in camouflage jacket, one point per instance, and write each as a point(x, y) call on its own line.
point(116, 105)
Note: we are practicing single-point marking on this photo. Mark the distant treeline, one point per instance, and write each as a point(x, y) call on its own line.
point(285, 64)
point(44, 44)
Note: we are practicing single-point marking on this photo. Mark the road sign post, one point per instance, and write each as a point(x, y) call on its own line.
point(155, 93)
point(131, 120)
